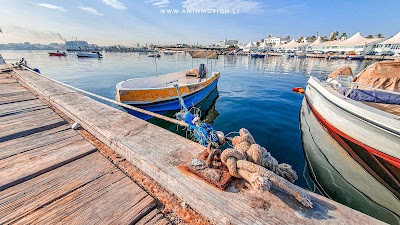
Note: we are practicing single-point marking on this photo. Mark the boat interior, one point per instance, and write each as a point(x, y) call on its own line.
point(191, 76)
point(377, 86)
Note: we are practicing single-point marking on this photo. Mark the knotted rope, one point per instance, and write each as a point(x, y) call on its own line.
point(255, 164)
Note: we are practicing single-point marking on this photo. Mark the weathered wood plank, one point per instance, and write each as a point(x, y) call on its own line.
point(25, 115)
point(110, 199)
point(12, 131)
point(158, 152)
point(154, 214)
point(154, 217)
point(9, 108)
point(27, 197)
point(11, 88)
point(12, 147)
point(16, 97)
point(51, 174)
point(24, 166)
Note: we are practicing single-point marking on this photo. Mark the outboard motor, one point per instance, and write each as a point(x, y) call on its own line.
point(202, 71)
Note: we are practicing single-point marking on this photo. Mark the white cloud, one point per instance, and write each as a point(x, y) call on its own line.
point(91, 10)
point(159, 3)
point(244, 6)
point(115, 4)
point(50, 6)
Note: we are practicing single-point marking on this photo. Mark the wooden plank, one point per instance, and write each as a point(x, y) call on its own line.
point(154, 217)
point(16, 97)
point(158, 153)
point(11, 88)
point(9, 108)
point(108, 198)
point(12, 131)
point(25, 115)
point(150, 216)
point(27, 197)
point(24, 166)
point(21, 145)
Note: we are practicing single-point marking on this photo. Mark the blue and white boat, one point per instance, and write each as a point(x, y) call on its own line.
point(89, 55)
point(159, 94)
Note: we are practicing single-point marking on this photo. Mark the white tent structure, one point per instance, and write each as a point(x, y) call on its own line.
point(317, 42)
point(250, 47)
point(292, 45)
point(390, 44)
point(356, 43)
point(264, 46)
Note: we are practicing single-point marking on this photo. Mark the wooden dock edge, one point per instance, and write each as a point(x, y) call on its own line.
point(158, 152)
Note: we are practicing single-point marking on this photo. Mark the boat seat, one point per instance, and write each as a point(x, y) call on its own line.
point(192, 72)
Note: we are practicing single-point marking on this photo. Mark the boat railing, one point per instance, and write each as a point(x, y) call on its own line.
point(354, 85)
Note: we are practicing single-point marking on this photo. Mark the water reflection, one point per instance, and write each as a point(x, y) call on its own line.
point(357, 183)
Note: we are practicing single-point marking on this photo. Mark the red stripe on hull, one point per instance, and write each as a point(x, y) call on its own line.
point(335, 132)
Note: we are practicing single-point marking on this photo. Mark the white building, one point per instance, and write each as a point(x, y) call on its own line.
point(250, 47)
point(273, 41)
point(226, 43)
point(391, 44)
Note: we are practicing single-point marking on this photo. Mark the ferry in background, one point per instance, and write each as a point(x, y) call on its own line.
point(351, 138)
point(76, 46)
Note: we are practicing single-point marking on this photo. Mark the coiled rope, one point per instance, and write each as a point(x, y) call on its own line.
point(255, 164)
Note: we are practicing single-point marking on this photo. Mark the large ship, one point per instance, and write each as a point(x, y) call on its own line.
point(80, 46)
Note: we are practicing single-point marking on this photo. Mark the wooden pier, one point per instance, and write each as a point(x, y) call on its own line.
point(50, 174)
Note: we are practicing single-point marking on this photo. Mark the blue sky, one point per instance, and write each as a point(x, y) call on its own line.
point(129, 22)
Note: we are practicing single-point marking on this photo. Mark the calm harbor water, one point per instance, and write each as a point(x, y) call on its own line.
point(252, 93)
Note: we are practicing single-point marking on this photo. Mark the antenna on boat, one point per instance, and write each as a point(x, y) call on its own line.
point(155, 62)
point(206, 61)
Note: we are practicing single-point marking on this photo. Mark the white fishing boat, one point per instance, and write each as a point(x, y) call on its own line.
point(362, 116)
point(89, 55)
point(352, 125)
point(360, 112)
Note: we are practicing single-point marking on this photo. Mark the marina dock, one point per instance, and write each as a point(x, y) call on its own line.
point(49, 173)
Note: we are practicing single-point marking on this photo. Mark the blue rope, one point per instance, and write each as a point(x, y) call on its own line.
point(204, 133)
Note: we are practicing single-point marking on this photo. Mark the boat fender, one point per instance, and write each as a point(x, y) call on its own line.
point(36, 70)
point(298, 90)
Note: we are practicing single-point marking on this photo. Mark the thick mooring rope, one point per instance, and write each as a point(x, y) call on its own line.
point(255, 164)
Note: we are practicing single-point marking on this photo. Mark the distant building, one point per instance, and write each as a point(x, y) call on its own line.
point(226, 43)
point(272, 41)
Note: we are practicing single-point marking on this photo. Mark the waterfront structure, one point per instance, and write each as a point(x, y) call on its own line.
point(274, 41)
point(80, 46)
point(250, 47)
point(391, 44)
point(264, 46)
point(293, 45)
point(226, 43)
point(356, 43)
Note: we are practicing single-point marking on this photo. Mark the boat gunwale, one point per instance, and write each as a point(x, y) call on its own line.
point(142, 103)
point(120, 88)
point(347, 105)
